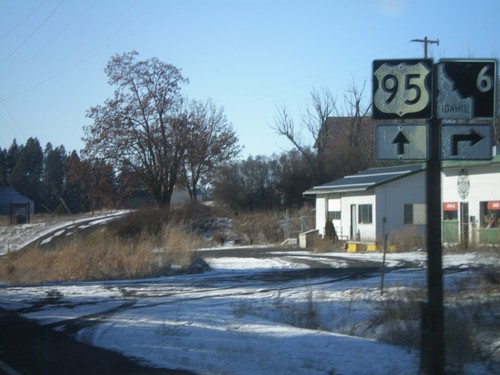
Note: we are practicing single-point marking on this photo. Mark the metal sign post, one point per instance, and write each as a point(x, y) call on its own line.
point(404, 89)
point(449, 90)
point(432, 345)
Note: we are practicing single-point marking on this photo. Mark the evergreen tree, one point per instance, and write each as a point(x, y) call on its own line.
point(75, 189)
point(11, 159)
point(53, 175)
point(3, 168)
point(26, 175)
point(330, 233)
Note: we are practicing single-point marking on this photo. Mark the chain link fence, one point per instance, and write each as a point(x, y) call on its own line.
point(297, 222)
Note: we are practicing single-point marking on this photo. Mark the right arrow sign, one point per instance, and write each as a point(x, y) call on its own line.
point(467, 142)
point(472, 138)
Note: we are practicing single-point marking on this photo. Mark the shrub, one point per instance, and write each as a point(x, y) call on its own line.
point(398, 319)
point(103, 255)
point(258, 227)
point(136, 223)
point(330, 231)
point(195, 216)
point(407, 239)
point(322, 245)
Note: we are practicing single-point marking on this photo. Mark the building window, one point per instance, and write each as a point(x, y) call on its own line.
point(490, 214)
point(414, 213)
point(365, 214)
point(450, 211)
point(334, 215)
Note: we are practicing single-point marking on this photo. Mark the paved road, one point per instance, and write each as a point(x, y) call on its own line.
point(51, 349)
point(28, 348)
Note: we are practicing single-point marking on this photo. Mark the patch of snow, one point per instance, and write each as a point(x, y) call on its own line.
point(231, 320)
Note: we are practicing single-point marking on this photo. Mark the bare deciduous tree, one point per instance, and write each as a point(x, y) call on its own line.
point(316, 122)
point(139, 129)
point(211, 141)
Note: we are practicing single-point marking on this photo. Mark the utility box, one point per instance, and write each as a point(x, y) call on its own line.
point(306, 239)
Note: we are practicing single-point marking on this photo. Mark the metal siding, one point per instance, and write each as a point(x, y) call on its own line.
point(367, 231)
point(391, 198)
point(320, 214)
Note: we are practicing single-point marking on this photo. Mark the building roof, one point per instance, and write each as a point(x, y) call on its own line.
point(366, 179)
point(469, 163)
point(8, 196)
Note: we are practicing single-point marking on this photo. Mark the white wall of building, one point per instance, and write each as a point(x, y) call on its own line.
point(484, 185)
point(350, 224)
point(321, 213)
point(469, 187)
point(391, 199)
point(386, 200)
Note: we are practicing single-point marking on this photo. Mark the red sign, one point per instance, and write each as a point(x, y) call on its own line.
point(494, 205)
point(450, 206)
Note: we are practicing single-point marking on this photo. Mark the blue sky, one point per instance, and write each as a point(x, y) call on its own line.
point(247, 55)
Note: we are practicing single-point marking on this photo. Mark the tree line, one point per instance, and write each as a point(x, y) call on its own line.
point(57, 181)
point(63, 182)
point(149, 137)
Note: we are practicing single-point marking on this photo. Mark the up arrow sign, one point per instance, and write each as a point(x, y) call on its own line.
point(472, 138)
point(400, 140)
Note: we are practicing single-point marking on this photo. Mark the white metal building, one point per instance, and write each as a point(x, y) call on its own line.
point(471, 202)
point(358, 204)
point(378, 201)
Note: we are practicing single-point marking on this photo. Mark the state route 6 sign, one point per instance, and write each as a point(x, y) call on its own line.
point(402, 89)
point(467, 89)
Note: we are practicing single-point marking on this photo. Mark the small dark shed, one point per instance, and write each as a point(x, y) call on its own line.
point(15, 205)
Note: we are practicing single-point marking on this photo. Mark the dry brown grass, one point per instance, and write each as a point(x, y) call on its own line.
point(407, 239)
point(259, 227)
point(102, 255)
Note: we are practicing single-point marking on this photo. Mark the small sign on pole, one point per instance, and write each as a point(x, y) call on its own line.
point(466, 142)
point(401, 142)
point(466, 89)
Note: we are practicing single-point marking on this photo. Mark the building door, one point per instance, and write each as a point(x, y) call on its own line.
point(464, 224)
point(354, 222)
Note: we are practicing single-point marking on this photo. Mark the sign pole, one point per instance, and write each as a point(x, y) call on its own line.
point(432, 355)
point(456, 89)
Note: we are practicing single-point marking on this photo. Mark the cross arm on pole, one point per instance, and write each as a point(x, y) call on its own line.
point(426, 41)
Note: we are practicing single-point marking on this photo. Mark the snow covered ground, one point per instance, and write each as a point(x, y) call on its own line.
point(15, 237)
point(246, 316)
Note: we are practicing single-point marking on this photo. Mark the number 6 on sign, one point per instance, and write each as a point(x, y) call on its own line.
point(484, 82)
point(402, 89)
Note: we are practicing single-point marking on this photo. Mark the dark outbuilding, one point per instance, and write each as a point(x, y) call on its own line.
point(15, 205)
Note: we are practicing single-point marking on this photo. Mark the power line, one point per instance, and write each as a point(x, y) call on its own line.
point(12, 117)
point(20, 45)
point(22, 21)
point(80, 55)
point(58, 35)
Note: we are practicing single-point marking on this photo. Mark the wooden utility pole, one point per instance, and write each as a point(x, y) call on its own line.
point(425, 41)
